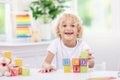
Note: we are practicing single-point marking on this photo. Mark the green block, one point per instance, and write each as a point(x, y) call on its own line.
point(84, 54)
point(25, 72)
point(83, 69)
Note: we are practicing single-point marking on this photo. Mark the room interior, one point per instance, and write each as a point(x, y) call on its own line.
point(105, 44)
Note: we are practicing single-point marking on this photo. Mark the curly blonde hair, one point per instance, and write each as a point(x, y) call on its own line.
point(75, 19)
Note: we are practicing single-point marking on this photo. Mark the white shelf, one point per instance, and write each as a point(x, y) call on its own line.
point(23, 43)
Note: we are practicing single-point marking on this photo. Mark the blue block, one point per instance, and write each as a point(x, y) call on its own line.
point(66, 62)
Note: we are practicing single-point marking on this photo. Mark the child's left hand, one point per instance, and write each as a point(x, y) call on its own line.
point(90, 59)
point(90, 55)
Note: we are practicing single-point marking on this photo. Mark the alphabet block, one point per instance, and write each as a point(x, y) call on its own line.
point(83, 69)
point(67, 69)
point(76, 69)
point(83, 62)
point(66, 62)
point(84, 54)
point(76, 61)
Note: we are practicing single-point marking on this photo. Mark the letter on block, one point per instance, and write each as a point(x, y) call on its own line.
point(83, 62)
point(84, 54)
point(76, 61)
point(83, 69)
point(76, 69)
point(67, 69)
point(66, 62)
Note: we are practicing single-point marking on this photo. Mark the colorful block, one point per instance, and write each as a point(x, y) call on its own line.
point(67, 69)
point(13, 71)
point(84, 54)
point(66, 62)
point(7, 54)
point(76, 61)
point(18, 62)
point(25, 71)
point(83, 69)
point(83, 62)
point(76, 69)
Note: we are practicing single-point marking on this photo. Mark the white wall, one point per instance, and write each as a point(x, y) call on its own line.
point(106, 48)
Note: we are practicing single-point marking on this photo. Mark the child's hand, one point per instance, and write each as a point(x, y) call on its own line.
point(47, 68)
point(90, 56)
point(90, 59)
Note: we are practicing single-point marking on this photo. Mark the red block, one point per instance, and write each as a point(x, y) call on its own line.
point(76, 69)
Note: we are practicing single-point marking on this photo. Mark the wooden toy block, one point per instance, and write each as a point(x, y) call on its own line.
point(83, 62)
point(7, 54)
point(83, 69)
point(13, 71)
point(66, 62)
point(67, 69)
point(76, 61)
point(25, 71)
point(76, 69)
point(18, 62)
point(84, 54)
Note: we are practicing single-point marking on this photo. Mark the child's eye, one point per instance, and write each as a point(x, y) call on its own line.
point(64, 25)
point(72, 25)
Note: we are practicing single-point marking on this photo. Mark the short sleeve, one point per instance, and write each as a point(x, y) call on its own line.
point(52, 47)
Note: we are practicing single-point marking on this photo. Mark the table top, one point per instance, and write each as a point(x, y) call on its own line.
point(60, 75)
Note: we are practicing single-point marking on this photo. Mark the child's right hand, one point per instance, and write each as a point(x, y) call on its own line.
point(47, 68)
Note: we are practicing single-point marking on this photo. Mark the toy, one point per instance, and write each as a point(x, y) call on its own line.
point(4, 66)
point(76, 65)
point(83, 62)
point(35, 35)
point(66, 63)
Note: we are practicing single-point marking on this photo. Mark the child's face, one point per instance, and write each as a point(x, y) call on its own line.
point(68, 30)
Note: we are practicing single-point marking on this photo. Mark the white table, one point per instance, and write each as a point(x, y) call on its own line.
point(60, 75)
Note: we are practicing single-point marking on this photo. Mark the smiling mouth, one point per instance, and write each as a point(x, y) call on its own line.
point(68, 33)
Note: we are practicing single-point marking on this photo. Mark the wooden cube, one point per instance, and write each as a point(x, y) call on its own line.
point(66, 62)
point(76, 69)
point(76, 61)
point(83, 69)
point(84, 54)
point(67, 69)
point(83, 62)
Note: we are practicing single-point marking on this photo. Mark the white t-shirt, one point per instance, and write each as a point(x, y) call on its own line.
point(61, 51)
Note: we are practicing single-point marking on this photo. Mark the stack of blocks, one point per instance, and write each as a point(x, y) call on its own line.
point(78, 64)
point(67, 65)
point(17, 68)
point(83, 61)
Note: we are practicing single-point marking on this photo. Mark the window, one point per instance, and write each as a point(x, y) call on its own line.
point(2, 18)
point(95, 14)
point(5, 24)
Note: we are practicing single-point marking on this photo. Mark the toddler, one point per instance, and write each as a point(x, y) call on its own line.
point(69, 43)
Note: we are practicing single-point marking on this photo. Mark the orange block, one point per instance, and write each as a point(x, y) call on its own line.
point(76, 61)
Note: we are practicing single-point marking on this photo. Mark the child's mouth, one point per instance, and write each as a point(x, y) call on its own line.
point(68, 33)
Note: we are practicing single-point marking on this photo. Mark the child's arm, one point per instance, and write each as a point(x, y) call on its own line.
point(46, 66)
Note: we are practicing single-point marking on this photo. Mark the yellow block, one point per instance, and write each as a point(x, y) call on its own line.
point(18, 62)
point(7, 54)
point(67, 69)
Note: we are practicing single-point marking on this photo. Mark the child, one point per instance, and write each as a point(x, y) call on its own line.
point(68, 45)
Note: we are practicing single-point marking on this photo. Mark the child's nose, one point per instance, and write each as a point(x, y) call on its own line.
point(68, 27)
